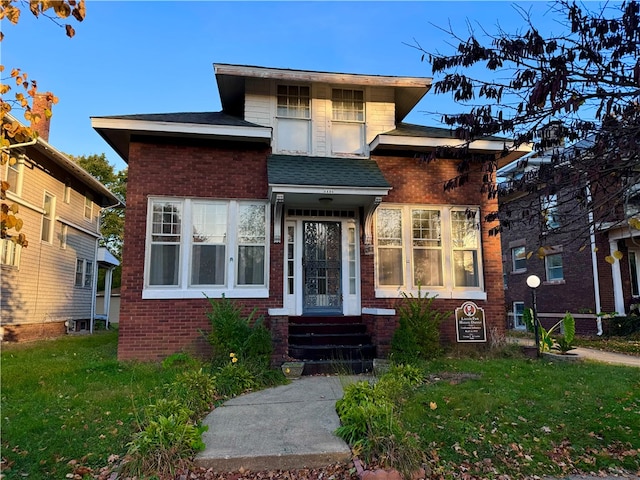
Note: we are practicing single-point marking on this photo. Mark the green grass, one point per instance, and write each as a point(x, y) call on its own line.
point(70, 400)
point(528, 417)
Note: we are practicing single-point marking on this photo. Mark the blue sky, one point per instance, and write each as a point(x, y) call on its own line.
point(157, 56)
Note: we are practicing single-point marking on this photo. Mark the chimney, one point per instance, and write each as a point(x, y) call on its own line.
point(42, 102)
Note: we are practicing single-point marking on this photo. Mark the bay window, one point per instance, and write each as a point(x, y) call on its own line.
point(435, 248)
point(216, 247)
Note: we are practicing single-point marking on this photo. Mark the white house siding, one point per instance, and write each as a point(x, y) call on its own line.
point(260, 108)
point(42, 289)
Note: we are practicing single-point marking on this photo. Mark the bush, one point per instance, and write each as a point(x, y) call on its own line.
point(167, 440)
point(195, 389)
point(370, 418)
point(623, 326)
point(233, 379)
point(247, 338)
point(418, 334)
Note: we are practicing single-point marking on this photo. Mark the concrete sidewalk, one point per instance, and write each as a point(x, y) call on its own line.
point(286, 427)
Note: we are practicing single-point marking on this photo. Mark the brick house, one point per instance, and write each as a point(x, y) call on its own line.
point(49, 287)
point(575, 278)
point(306, 198)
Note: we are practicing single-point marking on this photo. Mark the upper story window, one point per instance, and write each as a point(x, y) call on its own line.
point(518, 259)
point(348, 105)
point(436, 248)
point(49, 206)
point(293, 112)
point(14, 174)
point(10, 253)
point(88, 206)
point(217, 246)
point(348, 126)
point(553, 266)
point(294, 101)
point(84, 273)
point(549, 208)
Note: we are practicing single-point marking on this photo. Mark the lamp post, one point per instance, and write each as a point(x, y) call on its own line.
point(533, 282)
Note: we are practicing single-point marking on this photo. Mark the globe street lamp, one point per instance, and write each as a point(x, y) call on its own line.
point(533, 282)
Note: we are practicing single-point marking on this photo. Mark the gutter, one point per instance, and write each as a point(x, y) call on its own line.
point(594, 263)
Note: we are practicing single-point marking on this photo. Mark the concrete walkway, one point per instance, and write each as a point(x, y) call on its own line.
point(281, 428)
point(291, 426)
point(592, 354)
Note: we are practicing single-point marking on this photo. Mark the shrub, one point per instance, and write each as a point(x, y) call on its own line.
point(370, 420)
point(166, 441)
point(247, 337)
point(195, 389)
point(418, 334)
point(233, 379)
point(623, 326)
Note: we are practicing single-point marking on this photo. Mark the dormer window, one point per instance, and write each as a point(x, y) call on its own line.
point(348, 116)
point(294, 101)
point(348, 105)
point(294, 119)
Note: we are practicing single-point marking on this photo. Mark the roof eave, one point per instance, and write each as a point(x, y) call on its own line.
point(420, 144)
point(117, 132)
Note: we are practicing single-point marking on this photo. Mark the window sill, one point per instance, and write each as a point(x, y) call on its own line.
point(442, 293)
point(554, 282)
point(176, 293)
point(519, 271)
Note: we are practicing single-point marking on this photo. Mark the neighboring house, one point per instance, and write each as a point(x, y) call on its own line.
point(108, 306)
point(575, 276)
point(307, 198)
point(49, 286)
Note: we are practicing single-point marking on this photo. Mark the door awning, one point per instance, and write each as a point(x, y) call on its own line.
point(328, 182)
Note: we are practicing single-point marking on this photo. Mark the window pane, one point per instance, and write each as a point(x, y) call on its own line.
point(464, 230)
point(294, 101)
point(251, 224)
point(554, 267)
point(166, 222)
point(389, 227)
point(390, 266)
point(519, 256)
point(251, 265)
point(633, 264)
point(465, 265)
point(348, 105)
point(164, 264)
point(426, 230)
point(88, 274)
point(79, 272)
point(207, 265)
point(427, 267)
point(209, 223)
point(12, 176)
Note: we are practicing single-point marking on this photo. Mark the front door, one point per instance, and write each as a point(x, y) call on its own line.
point(321, 265)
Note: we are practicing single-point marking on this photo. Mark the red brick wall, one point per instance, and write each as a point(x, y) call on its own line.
point(417, 182)
point(153, 329)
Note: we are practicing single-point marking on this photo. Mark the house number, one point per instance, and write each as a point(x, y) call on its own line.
point(328, 191)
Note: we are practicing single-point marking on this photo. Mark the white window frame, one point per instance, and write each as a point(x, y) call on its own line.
point(548, 267)
point(184, 288)
point(294, 107)
point(348, 125)
point(448, 289)
point(88, 207)
point(83, 277)
point(64, 235)
point(10, 253)
point(518, 315)
point(515, 257)
point(18, 171)
point(634, 271)
point(46, 231)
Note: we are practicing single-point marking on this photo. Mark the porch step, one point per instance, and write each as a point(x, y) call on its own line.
point(331, 344)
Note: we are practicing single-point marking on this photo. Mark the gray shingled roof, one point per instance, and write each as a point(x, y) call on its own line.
point(412, 130)
point(324, 171)
point(203, 118)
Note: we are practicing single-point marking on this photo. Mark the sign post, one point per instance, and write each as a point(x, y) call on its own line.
point(470, 323)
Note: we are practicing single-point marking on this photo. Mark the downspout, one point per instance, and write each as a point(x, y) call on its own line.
point(94, 287)
point(594, 262)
